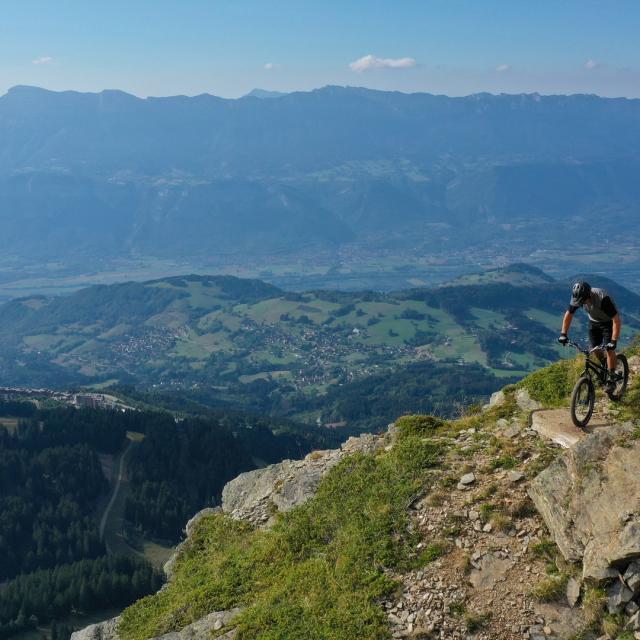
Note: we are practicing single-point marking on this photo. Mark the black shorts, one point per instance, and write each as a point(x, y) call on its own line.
point(600, 333)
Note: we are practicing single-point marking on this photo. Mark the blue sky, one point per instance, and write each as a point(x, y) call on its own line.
point(228, 47)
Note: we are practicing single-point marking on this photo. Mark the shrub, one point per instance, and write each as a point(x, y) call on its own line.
point(613, 625)
point(475, 622)
point(430, 553)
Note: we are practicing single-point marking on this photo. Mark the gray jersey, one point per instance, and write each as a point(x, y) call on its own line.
point(600, 307)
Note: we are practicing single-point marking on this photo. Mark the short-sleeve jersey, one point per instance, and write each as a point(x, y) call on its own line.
point(600, 307)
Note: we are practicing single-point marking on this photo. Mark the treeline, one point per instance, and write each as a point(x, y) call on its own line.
point(102, 430)
point(50, 481)
point(86, 586)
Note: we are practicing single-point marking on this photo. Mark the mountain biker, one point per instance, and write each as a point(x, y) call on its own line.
point(604, 323)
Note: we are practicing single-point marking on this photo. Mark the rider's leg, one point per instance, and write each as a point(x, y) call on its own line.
point(595, 340)
point(607, 332)
point(611, 360)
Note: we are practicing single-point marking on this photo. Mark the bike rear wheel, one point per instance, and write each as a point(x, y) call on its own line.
point(622, 377)
point(583, 400)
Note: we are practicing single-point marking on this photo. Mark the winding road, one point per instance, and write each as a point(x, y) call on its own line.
point(122, 470)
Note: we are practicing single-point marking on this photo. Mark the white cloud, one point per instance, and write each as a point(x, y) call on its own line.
point(501, 68)
point(591, 64)
point(373, 62)
point(271, 65)
point(42, 60)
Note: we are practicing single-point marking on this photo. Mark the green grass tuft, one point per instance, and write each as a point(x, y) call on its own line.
point(553, 384)
point(550, 589)
point(430, 553)
point(319, 571)
point(475, 622)
point(419, 425)
point(504, 462)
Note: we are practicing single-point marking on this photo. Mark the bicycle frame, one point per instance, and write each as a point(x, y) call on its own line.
point(590, 367)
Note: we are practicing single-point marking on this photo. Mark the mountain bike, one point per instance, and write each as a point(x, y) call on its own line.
point(583, 397)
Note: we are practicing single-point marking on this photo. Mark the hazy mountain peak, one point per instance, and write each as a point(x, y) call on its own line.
point(264, 93)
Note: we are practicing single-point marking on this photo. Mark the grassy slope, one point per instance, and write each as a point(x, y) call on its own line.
point(319, 572)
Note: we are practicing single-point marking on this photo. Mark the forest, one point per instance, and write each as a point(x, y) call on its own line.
point(85, 586)
point(52, 482)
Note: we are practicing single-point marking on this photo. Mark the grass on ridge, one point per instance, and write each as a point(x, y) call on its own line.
point(553, 384)
point(319, 571)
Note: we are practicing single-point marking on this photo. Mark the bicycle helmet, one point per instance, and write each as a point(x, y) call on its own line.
point(580, 292)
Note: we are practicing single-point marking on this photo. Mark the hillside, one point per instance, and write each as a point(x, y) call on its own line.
point(88, 178)
point(478, 527)
point(319, 355)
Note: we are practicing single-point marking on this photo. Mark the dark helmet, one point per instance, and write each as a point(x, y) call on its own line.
point(580, 292)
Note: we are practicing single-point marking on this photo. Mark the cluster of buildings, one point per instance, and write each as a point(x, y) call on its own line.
point(79, 400)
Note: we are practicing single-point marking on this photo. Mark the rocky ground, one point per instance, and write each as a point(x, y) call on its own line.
point(482, 586)
point(500, 576)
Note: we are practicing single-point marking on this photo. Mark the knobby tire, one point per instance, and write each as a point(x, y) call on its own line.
point(621, 368)
point(583, 396)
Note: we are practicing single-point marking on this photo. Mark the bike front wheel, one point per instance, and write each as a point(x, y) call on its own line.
point(622, 377)
point(583, 400)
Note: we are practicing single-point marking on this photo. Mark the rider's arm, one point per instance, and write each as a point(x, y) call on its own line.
point(609, 307)
point(566, 321)
point(617, 326)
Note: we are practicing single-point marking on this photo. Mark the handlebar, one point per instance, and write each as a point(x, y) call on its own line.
point(584, 351)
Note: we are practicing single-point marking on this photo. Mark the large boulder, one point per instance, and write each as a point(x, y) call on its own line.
point(590, 500)
point(257, 495)
point(525, 402)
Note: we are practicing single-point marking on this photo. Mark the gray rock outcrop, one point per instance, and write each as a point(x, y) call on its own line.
point(257, 495)
point(590, 501)
point(107, 630)
point(199, 630)
point(525, 402)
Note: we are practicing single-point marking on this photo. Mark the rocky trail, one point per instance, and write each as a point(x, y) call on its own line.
point(482, 587)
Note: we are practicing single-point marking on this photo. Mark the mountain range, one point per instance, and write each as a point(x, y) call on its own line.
point(86, 176)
